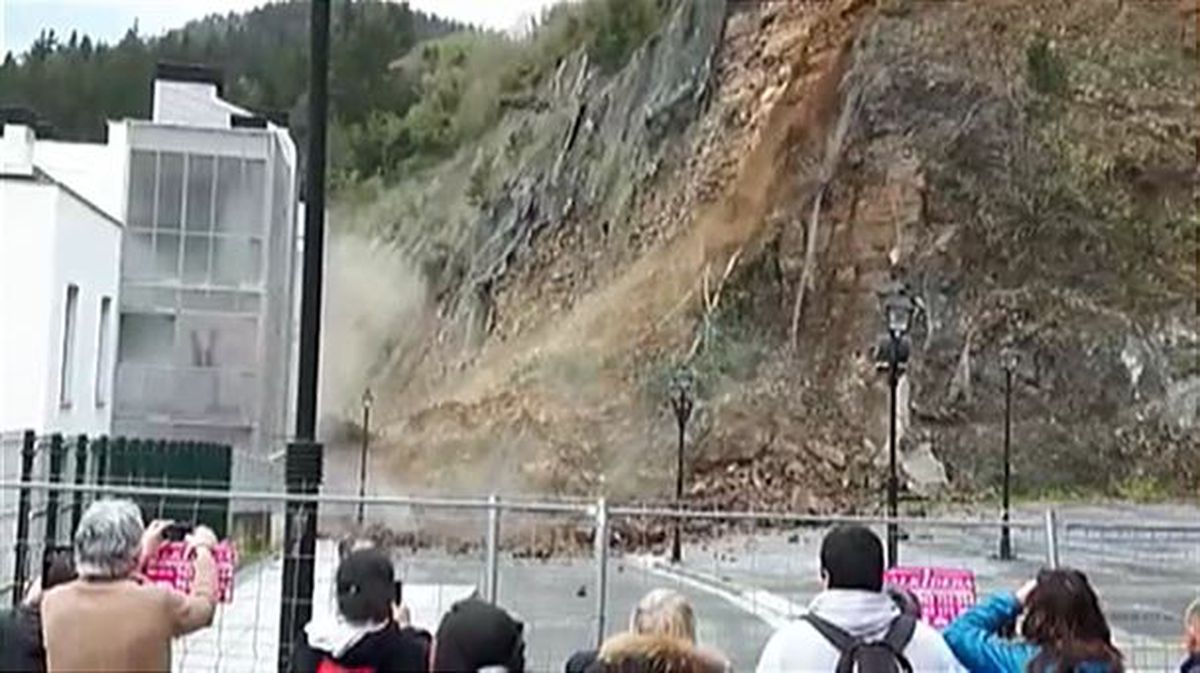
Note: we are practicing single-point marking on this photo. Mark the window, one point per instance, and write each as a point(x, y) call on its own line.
point(67, 370)
point(170, 190)
point(102, 352)
point(146, 338)
point(142, 172)
point(137, 256)
point(199, 193)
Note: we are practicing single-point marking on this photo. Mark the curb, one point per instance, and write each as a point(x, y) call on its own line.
point(771, 608)
point(776, 611)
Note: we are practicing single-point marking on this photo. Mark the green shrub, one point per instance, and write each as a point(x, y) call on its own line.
point(479, 182)
point(1046, 69)
point(463, 79)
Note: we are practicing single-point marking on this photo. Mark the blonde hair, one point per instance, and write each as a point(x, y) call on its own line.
point(664, 612)
point(655, 652)
point(1192, 613)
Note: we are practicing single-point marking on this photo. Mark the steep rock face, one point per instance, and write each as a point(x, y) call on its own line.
point(561, 387)
point(595, 146)
point(733, 199)
point(1006, 212)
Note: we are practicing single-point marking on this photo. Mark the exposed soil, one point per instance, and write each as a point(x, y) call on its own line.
point(845, 144)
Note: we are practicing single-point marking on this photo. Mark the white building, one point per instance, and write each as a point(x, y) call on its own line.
point(59, 270)
point(206, 276)
point(207, 195)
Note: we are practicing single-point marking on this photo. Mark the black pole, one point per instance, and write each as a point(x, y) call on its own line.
point(81, 454)
point(57, 453)
point(362, 459)
point(303, 473)
point(1005, 534)
point(893, 481)
point(676, 545)
point(21, 553)
point(100, 448)
point(303, 462)
point(314, 222)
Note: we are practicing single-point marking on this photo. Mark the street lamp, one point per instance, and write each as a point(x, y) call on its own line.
point(367, 400)
point(682, 403)
point(891, 356)
point(1009, 359)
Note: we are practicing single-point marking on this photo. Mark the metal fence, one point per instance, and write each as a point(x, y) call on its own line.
point(573, 569)
point(41, 520)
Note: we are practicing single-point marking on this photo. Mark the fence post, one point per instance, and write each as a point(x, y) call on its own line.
point(303, 477)
point(601, 558)
point(1052, 538)
point(57, 453)
point(493, 549)
point(21, 553)
point(81, 447)
point(100, 450)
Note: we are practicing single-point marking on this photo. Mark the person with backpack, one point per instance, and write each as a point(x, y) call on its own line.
point(853, 625)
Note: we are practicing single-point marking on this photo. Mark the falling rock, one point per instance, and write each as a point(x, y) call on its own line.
point(926, 474)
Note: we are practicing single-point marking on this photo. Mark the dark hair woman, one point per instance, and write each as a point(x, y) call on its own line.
point(1064, 630)
point(478, 636)
point(364, 635)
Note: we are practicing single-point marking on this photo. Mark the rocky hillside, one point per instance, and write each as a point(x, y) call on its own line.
point(731, 200)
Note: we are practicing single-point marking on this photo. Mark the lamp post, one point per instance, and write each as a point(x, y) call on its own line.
point(891, 356)
point(682, 403)
point(367, 399)
point(1009, 362)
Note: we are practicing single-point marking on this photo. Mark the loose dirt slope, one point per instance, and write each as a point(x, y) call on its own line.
point(1027, 168)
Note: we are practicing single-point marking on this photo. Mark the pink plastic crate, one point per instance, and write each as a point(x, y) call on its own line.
point(171, 568)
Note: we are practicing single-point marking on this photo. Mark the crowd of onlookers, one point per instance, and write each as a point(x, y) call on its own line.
point(92, 611)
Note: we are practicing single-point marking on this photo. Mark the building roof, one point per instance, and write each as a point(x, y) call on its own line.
point(76, 167)
point(41, 177)
point(190, 72)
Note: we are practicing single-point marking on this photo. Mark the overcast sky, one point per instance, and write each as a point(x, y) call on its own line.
point(22, 20)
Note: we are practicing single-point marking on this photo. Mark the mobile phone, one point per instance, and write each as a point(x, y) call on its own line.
point(177, 531)
point(397, 592)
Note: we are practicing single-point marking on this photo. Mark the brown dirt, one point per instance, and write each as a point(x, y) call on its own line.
point(779, 93)
point(561, 398)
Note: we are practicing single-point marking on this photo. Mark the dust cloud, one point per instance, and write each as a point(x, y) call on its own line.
point(374, 298)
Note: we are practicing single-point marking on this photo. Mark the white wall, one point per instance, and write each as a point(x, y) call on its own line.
point(88, 249)
point(27, 211)
point(191, 104)
point(94, 171)
point(48, 240)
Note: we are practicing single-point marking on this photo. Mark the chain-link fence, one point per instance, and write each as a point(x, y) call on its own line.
point(746, 573)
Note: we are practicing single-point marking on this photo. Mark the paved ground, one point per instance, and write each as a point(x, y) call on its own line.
point(556, 599)
point(245, 634)
point(743, 586)
point(1144, 580)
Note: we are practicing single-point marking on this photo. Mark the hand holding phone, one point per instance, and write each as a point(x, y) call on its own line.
point(176, 531)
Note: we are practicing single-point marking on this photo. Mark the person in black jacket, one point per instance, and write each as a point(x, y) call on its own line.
point(21, 646)
point(478, 636)
point(363, 636)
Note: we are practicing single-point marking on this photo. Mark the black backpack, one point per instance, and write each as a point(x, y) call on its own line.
point(875, 656)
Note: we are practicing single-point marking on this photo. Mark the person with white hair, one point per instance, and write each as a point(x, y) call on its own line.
point(107, 619)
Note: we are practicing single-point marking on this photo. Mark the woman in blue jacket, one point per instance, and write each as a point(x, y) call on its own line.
point(1064, 630)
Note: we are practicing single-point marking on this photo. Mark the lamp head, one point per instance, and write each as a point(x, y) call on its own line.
point(682, 393)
